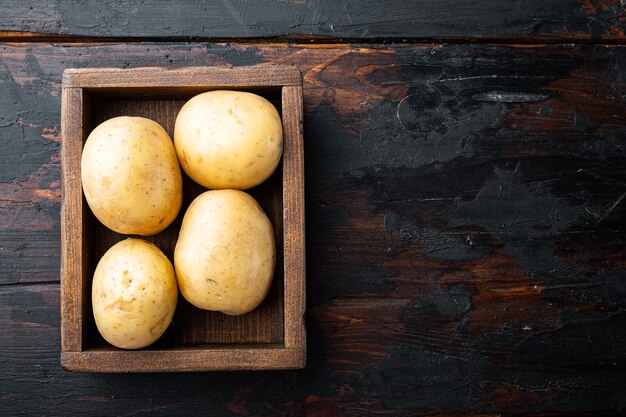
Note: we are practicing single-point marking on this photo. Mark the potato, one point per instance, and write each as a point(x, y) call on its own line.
point(228, 139)
point(131, 177)
point(225, 254)
point(134, 294)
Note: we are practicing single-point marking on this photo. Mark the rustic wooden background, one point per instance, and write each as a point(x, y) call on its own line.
point(465, 196)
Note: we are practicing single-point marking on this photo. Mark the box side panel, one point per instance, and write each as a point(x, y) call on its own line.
point(183, 360)
point(183, 77)
point(72, 233)
point(293, 220)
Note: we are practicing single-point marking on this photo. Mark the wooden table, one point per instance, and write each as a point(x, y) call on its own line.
point(465, 197)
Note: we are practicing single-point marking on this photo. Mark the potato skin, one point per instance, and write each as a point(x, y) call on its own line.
point(131, 177)
point(134, 294)
point(228, 139)
point(226, 253)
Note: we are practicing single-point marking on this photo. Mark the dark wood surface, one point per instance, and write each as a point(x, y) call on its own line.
point(465, 225)
point(322, 20)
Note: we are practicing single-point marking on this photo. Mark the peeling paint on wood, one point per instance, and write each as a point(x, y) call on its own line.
point(316, 20)
point(452, 264)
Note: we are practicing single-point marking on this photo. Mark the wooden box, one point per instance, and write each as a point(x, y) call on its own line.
point(270, 337)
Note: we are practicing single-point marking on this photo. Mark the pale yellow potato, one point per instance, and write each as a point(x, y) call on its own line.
point(228, 139)
point(225, 254)
point(131, 177)
point(134, 294)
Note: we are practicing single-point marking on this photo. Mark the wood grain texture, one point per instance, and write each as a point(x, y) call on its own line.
point(313, 20)
point(74, 257)
point(214, 358)
point(189, 77)
point(293, 219)
point(465, 234)
point(197, 340)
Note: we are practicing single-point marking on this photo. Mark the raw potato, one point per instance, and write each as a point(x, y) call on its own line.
point(228, 139)
point(131, 177)
point(225, 254)
point(134, 294)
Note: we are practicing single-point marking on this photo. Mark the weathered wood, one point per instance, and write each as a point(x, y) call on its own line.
point(293, 219)
point(75, 256)
point(197, 340)
point(337, 378)
point(542, 20)
point(464, 234)
point(214, 358)
point(186, 79)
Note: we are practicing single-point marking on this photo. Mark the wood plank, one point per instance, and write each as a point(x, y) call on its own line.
point(74, 257)
point(543, 20)
point(345, 90)
point(465, 232)
point(350, 365)
point(189, 360)
point(190, 77)
point(293, 198)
